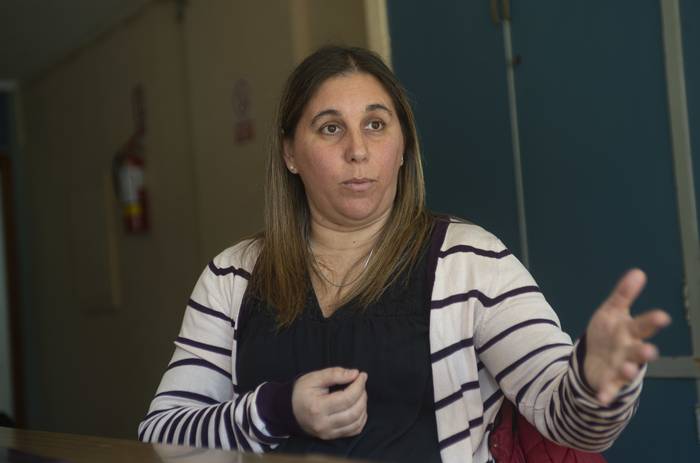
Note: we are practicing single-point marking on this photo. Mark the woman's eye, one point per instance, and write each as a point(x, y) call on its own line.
point(376, 125)
point(330, 129)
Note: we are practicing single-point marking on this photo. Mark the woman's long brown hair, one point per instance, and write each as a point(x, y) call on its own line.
point(280, 277)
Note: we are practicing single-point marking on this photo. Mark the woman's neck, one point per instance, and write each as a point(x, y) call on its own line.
point(330, 238)
point(341, 254)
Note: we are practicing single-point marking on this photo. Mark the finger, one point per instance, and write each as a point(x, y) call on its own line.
point(332, 376)
point(611, 386)
point(608, 392)
point(349, 415)
point(351, 429)
point(627, 289)
point(649, 323)
point(629, 371)
point(606, 389)
point(342, 400)
point(641, 352)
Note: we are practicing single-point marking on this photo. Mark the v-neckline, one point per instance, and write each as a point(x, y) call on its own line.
point(318, 311)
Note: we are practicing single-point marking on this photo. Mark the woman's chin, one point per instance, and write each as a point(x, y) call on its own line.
point(360, 215)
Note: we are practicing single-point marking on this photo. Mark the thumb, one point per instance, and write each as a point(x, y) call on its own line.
point(335, 375)
point(627, 290)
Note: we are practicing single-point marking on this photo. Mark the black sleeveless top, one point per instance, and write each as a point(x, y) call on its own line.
point(389, 340)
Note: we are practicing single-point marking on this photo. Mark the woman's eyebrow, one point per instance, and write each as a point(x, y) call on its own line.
point(335, 112)
point(375, 106)
point(325, 112)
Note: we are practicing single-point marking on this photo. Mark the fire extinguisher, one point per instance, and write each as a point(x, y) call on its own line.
point(129, 176)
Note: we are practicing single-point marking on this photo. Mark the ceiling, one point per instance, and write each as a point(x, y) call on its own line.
point(34, 34)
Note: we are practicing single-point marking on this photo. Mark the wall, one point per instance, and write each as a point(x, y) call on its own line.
point(92, 366)
point(597, 161)
point(224, 45)
point(320, 22)
point(6, 387)
point(228, 175)
point(690, 14)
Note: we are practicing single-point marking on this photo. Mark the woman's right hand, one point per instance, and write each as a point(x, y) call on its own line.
point(330, 415)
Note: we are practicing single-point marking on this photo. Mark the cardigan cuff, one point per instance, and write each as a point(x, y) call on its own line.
point(579, 370)
point(274, 403)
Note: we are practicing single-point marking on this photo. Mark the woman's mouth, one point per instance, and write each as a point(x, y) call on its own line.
point(358, 184)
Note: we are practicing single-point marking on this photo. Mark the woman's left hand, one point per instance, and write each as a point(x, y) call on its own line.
point(615, 346)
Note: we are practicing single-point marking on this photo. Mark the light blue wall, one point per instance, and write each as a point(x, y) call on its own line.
point(597, 165)
point(690, 23)
point(462, 115)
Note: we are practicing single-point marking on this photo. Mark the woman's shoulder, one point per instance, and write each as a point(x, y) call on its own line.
point(462, 232)
point(240, 256)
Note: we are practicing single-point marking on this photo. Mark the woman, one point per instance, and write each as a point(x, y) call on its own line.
point(358, 324)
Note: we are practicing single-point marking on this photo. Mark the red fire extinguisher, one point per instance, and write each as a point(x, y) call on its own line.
point(131, 187)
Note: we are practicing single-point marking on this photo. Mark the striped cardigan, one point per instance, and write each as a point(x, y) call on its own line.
point(492, 334)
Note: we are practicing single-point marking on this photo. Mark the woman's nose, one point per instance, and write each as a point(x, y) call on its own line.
point(356, 150)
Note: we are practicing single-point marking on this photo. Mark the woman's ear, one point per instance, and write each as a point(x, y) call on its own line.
point(289, 156)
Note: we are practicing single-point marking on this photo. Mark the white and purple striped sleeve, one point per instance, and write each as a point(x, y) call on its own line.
point(197, 402)
point(537, 367)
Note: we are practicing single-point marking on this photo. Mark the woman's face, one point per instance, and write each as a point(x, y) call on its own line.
point(348, 148)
